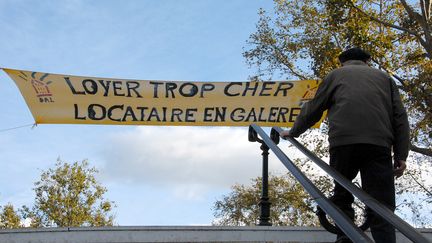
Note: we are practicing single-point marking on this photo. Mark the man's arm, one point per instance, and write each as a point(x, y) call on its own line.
point(400, 131)
point(400, 126)
point(312, 111)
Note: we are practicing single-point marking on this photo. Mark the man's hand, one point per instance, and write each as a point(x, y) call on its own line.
point(399, 168)
point(285, 134)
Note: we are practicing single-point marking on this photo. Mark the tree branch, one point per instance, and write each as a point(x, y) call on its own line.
point(284, 59)
point(393, 74)
point(336, 40)
point(423, 22)
point(424, 9)
point(411, 12)
point(428, 7)
point(424, 151)
point(428, 192)
point(409, 31)
point(384, 22)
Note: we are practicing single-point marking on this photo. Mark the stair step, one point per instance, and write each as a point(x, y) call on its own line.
point(159, 234)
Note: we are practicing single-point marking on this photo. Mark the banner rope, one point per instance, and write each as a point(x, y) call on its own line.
point(33, 125)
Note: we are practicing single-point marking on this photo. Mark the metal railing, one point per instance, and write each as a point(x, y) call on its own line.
point(341, 220)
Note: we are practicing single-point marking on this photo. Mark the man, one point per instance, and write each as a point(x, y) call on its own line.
point(366, 120)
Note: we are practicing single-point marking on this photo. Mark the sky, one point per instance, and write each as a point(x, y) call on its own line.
point(156, 175)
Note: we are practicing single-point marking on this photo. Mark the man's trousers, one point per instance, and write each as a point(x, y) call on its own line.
point(376, 171)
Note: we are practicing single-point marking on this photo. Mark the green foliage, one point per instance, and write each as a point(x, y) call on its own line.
point(9, 218)
point(290, 204)
point(303, 39)
point(69, 196)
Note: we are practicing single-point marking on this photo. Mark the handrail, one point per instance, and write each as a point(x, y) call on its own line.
point(344, 223)
point(406, 229)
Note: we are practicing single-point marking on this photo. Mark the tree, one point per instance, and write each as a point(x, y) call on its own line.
point(305, 37)
point(69, 196)
point(291, 205)
point(9, 218)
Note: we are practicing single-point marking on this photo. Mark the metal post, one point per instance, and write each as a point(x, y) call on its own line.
point(264, 219)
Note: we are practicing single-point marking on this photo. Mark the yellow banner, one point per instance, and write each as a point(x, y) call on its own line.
point(67, 99)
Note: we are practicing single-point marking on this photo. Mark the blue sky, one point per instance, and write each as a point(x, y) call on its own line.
point(156, 175)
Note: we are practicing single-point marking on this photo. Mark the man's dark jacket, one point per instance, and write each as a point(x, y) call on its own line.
point(364, 106)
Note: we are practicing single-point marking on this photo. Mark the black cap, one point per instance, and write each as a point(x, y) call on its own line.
point(354, 54)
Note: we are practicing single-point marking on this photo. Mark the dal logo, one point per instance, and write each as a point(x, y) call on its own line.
point(308, 95)
point(41, 88)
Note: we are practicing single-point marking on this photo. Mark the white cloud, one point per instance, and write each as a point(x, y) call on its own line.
point(194, 192)
point(188, 159)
